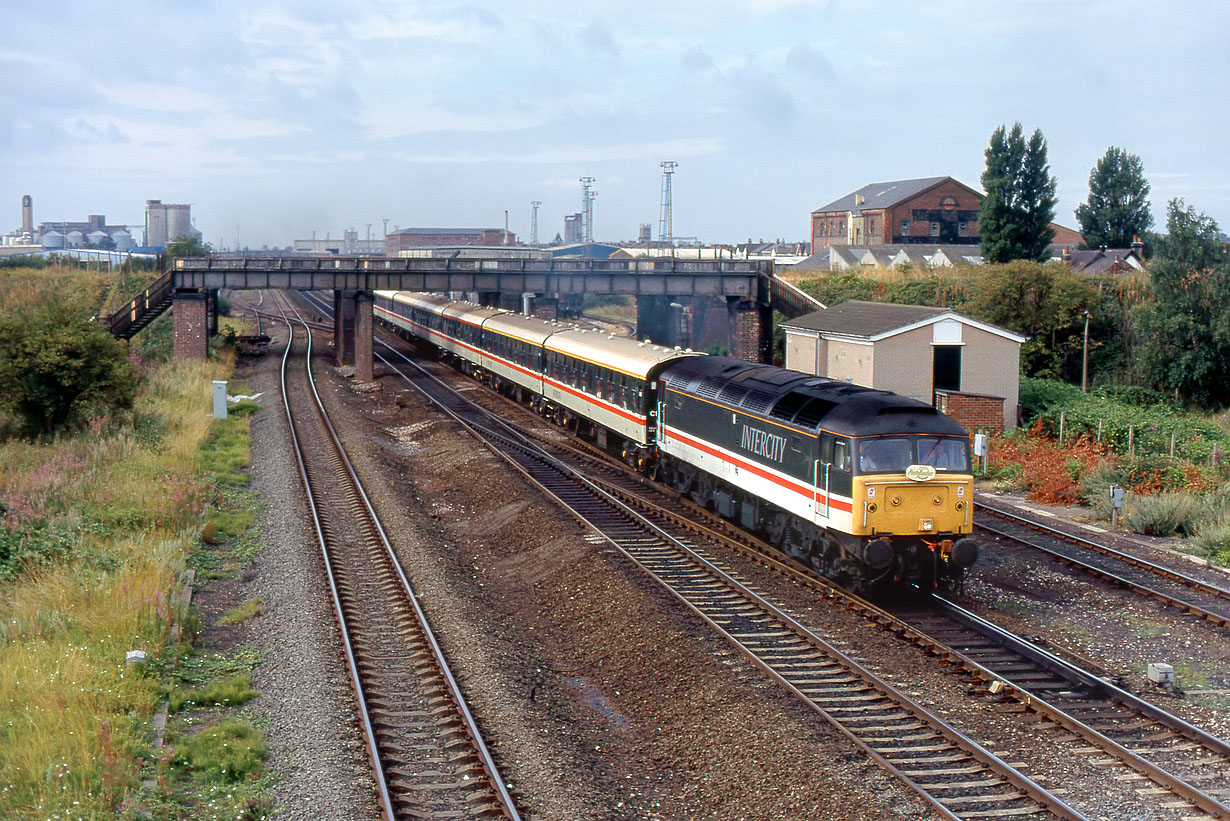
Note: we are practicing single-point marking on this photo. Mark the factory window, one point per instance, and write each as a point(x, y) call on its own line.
point(963, 229)
point(905, 228)
point(935, 229)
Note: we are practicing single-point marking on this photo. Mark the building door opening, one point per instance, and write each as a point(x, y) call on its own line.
point(947, 372)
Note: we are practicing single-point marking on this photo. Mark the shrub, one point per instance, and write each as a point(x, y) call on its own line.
point(1050, 473)
point(59, 368)
point(1163, 514)
point(1213, 540)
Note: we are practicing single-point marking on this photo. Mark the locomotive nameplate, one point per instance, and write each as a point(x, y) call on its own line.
point(920, 473)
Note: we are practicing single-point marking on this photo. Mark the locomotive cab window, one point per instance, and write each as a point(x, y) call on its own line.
point(841, 454)
point(944, 453)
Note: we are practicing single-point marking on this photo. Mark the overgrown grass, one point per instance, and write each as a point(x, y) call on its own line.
point(95, 532)
point(231, 691)
point(243, 612)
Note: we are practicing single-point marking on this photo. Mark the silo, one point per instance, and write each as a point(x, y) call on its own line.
point(123, 240)
point(51, 239)
point(74, 239)
point(155, 224)
point(179, 221)
point(97, 239)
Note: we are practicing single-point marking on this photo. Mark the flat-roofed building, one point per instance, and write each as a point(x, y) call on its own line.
point(404, 239)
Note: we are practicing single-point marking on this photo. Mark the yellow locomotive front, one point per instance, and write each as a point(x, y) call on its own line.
point(913, 503)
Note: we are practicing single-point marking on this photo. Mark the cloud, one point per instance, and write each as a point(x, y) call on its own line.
point(599, 40)
point(696, 59)
point(803, 59)
point(564, 154)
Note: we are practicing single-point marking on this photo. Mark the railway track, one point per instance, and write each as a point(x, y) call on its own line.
point(1144, 577)
point(1187, 766)
point(1185, 769)
point(428, 756)
point(957, 775)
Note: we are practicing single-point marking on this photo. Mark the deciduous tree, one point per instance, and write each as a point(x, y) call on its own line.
point(1047, 304)
point(1117, 210)
point(1016, 214)
point(1186, 330)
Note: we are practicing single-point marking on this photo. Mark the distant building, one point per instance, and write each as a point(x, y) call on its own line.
point(405, 239)
point(93, 233)
point(1100, 260)
point(574, 229)
point(165, 223)
point(935, 211)
point(348, 245)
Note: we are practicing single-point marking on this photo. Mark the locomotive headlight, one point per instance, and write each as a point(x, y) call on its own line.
point(925, 524)
point(960, 506)
point(872, 508)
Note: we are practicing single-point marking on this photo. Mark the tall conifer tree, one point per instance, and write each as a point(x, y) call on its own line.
point(1117, 210)
point(1016, 214)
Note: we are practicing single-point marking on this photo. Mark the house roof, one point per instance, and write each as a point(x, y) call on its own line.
point(877, 320)
point(884, 194)
point(1096, 261)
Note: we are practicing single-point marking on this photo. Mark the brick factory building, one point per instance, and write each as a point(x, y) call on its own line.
point(932, 211)
point(967, 368)
point(407, 238)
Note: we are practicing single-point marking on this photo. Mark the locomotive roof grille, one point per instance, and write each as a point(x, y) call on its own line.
point(758, 401)
point(733, 393)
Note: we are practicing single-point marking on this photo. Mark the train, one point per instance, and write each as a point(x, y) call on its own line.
point(872, 489)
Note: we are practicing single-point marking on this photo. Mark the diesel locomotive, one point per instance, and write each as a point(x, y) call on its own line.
point(872, 489)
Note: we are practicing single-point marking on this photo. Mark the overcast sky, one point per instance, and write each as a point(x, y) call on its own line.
point(275, 120)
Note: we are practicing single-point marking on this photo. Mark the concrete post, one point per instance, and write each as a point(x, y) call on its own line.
point(191, 326)
point(363, 365)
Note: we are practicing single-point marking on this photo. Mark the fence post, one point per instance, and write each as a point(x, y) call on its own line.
point(1132, 442)
point(1172, 446)
point(1062, 414)
point(1099, 430)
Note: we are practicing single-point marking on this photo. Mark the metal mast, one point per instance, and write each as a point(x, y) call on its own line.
point(587, 206)
point(534, 222)
point(665, 231)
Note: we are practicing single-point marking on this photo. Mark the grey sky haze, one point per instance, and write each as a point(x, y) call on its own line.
point(275, 120)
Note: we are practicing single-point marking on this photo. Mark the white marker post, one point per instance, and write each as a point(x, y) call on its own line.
point(219, 399)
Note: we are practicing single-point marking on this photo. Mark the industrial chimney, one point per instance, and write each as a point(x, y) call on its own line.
point(27, 214)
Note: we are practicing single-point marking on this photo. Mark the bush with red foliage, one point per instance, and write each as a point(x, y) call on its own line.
point(1050, 471)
